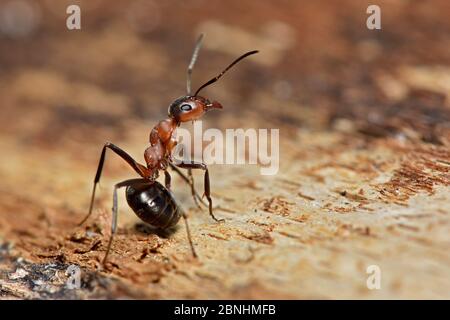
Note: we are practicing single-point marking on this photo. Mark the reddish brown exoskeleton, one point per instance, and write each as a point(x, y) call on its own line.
point(153, 203)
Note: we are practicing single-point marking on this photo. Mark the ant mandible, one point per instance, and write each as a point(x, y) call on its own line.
point(152, 202)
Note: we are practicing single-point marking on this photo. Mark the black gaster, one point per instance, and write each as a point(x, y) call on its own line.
point(154, 204)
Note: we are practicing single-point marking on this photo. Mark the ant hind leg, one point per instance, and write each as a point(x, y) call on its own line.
point(139, 168)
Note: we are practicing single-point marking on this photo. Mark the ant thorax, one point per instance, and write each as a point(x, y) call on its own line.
point(161, 143)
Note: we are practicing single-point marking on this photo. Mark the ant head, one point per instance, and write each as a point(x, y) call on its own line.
point(190, 108)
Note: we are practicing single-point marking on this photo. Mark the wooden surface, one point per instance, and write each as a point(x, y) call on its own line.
point(364, 153)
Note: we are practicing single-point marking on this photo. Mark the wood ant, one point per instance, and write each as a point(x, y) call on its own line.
point(153, 203)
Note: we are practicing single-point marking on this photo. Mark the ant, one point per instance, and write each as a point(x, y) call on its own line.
point(150, 200)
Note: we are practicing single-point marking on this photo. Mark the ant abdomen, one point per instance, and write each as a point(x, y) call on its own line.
point(153, 204)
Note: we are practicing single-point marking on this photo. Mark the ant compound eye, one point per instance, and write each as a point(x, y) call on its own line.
point(186, 107)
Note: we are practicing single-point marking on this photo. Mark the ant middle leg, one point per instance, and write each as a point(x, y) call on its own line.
point(126, 183)
point(185, 218)
point(207, 192)
point(139, 168)
point(167, 180)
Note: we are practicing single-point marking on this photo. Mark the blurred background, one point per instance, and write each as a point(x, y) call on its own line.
point(327, 82)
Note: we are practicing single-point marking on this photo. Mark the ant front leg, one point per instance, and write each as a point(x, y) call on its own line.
point(202, 166)
point(194, 193)
point(189, 179)
point(139, 168)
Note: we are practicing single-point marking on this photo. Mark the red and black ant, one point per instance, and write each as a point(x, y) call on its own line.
point(153, 203)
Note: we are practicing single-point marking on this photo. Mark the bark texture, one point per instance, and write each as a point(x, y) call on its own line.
point(364, 151)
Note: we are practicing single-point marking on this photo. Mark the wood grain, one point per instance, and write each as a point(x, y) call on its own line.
point(364, 155)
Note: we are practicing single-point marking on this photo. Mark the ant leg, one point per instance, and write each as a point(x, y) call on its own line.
point(190, 181)
point(189, 235)
point(167, 183)
point(139, 168)
point(200, 165)
point(195, 195)
point(167, 179)
point(115, 212)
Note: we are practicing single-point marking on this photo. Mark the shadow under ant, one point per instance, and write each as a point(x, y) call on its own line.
point(146, 229)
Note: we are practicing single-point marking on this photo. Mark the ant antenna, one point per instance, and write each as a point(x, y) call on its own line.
point(225, 70)
point(198, 44)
